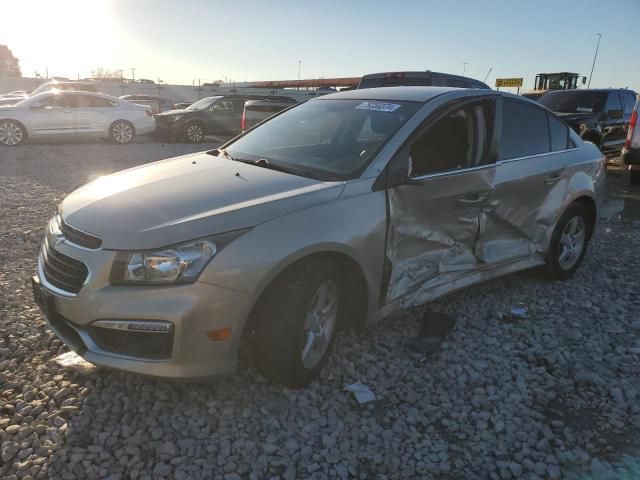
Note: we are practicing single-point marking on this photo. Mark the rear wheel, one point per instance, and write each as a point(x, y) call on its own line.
point(121, 132)
point(11, 133)
point(569, 242)
point(634, 177)
point(194, 132)
point(297, 324)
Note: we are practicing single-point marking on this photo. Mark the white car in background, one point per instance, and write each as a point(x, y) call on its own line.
point(74, 114)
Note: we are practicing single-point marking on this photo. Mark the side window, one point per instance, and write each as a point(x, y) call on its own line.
point(525, 130)
point(224, 105)
point(89, 101)
point(100, 102)
point(56, 101)
point(613, 103)
point(458, 140)
point(559, 134)
point(629, 102)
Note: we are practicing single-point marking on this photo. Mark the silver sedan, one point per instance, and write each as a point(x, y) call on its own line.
point(71, 114)
point(343, 209)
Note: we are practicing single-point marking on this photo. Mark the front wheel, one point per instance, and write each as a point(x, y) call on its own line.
point(121, 132)
point(297, 324)
point(569, 242)
point(194, 133)
point(11, 133)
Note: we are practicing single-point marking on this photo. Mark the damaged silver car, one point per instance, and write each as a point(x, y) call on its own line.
point(342, 209)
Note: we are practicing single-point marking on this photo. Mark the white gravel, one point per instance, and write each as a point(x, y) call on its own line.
point(556, 395)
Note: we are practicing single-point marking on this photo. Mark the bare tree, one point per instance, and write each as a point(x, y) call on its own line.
point(9, 64)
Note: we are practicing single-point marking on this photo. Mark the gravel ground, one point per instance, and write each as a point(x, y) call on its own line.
point(555, 395)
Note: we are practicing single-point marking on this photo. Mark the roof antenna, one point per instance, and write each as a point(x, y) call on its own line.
point(487, 75)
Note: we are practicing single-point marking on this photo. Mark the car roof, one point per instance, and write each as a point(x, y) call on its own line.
point(400, 94)
point(77, 92)
point(594, 90)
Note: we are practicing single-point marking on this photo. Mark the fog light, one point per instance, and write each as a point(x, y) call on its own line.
point(135, 326)
point(220, 334)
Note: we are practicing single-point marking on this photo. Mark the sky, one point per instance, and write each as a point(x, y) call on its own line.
point(183, 41)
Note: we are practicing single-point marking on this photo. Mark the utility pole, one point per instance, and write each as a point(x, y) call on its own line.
point(133, 75)
point(464, 68)
point(594, 59)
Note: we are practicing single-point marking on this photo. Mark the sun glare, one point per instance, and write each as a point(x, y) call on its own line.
point(61, 35)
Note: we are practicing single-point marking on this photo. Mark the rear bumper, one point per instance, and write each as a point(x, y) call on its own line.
point(146, 126)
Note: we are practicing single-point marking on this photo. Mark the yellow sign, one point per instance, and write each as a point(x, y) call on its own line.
point(509, 82)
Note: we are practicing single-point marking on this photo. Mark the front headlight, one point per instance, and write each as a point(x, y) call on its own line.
point(175, 118)
point(180, 264)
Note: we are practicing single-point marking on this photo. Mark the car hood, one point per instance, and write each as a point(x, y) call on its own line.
point(187, 197)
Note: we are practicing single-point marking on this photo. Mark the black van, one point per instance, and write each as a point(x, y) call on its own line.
point(419, 79)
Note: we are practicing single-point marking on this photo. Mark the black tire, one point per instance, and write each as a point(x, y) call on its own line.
point(634, 177)
point(12, 133)
point(555, 266)
point(194, 132)
point(281, 338)
point(121, 132)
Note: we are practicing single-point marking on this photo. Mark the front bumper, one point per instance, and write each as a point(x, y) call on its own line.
point(165, 127)
point(192, 309)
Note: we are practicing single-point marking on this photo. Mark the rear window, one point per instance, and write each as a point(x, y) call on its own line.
point(574, 101)
point(559, 133)
point(394, 81)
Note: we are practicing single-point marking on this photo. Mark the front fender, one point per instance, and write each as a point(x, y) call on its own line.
point(352, 226)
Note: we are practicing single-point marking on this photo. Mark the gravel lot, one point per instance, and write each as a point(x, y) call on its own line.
point(555, 395)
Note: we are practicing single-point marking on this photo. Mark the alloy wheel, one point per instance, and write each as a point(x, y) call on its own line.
point(319, 324)
point(572, 242)
point(10, 133)
point(195, 133)
point(122, 132)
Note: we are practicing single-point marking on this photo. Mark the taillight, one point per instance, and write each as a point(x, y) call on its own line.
point(632, 126)
point(243, 124)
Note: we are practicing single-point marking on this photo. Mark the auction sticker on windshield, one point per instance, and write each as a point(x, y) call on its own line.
point(378, 106)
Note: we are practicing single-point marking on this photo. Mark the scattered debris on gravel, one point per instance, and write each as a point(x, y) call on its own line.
point(555, 394)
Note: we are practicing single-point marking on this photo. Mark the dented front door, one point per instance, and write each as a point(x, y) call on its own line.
point(433, 229)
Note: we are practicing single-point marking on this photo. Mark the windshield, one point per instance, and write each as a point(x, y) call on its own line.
point(325, 139)
point(574, 101)
point(202, 104)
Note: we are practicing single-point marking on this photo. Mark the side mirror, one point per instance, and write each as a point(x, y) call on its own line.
point(396, 173)
point(584, 80)
point(614, 114)
point(36, 105)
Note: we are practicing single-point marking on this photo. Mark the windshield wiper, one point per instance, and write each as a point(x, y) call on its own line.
point(261, 162)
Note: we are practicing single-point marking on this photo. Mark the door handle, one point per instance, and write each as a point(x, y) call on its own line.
point(471, 200)
point(553, 178)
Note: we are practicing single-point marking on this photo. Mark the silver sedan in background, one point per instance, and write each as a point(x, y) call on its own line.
point(342, 209)
point(71, 114)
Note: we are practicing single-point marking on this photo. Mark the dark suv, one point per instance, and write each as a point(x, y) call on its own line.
point(601, 116)
point(419, 79)
point(219, 115)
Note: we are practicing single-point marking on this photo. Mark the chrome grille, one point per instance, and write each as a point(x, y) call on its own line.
point(78, 237)
point(61, 271)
